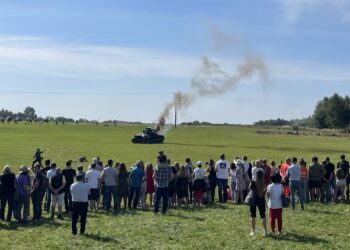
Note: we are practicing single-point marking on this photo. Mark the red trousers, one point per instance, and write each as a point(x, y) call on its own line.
point(276, 214)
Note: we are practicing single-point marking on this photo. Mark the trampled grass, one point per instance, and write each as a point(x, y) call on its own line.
point(216, 227)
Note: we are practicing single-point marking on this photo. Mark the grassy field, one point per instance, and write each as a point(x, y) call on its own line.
point(215, 227)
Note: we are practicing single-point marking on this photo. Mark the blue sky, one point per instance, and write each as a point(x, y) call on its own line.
point(125, 59)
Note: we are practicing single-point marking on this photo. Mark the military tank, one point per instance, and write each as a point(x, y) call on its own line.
point(149, 136)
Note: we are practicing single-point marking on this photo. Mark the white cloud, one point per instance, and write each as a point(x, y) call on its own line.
point(295, 8)
point(32, 55)
point(39, 56)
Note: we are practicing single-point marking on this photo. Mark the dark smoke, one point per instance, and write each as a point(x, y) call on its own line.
point(211, 80)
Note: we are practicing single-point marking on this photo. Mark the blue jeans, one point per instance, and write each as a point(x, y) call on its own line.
point(161, 193)
point(295, 186)
point(305, 190)
point(134, 197)
point(327, 191)
point(233, 191)
point(108, 192)
point(222, 191)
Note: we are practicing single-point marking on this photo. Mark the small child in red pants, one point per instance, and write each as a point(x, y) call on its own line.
point(274, 195)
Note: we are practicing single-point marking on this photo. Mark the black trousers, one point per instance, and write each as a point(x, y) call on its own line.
point(9, 199)
point(37, 201)
point(79, 210)
point(190, 190)
point(68, 201)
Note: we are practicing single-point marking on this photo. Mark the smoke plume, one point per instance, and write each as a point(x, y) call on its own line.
point(212, 80)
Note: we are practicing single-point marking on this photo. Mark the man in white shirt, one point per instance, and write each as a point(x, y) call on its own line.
point(92, 177)
point(222, 169)
point(294, 173)
point(50, 173)
point(80, 193)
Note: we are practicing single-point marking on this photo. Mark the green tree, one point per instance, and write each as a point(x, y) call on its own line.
point(332, 112)
point(29, 112)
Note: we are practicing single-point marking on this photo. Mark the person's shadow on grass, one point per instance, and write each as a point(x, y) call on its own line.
point(291, 236)
point(99, 237)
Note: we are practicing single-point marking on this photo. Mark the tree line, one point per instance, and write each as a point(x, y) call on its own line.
point(330, 113)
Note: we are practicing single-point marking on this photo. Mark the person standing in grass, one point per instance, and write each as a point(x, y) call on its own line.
point(233, 177)
point(182, 186)
point(293, 174)
point(304, 181)
point(8, 189)
point(172, 186)
point(189, 169)
point(150, 182)
point(211, 178)
point(240, 182)
point(137, 177)
point(92, 177)
point(50, 173)
point(260, 190)
point(274, 195)
point(109, 177)
point(327, 180)
point(222, 169)
point(123, 185)
point(38, 191)
point(80, 193)
point(340, 185)
point(69, 173)
point(344, 164)
point(199, 184)
point(316, 172)
point(23, 191)
point(143, 189)
point(57, 184)
point(283, 173)
point(162, 175)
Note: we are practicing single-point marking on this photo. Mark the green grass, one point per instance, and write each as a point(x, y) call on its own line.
point(216, 227)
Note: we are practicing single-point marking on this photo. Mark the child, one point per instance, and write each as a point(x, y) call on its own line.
point(274, 196)
point(233, 181)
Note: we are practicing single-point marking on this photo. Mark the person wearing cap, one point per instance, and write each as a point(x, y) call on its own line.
point(57, 184)
point(69, 173)
point(137, 177)
point(162, 176)
point(80, 195)
point(222, 169)
point(7, 186)
point(23, 190)
point(199, 184)
point(109, 177)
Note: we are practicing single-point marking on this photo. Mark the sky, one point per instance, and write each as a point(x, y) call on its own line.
point(124, 60)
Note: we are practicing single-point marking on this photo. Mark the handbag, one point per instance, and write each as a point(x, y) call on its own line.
point(250, 199)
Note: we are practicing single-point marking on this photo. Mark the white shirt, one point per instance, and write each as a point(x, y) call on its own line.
point(199, 173)
point(246, 166)
point(275, 191)
point(80, 191)
point(221, 168)
point(233, 175)
point(51, 173)
point(92, 177)
point(254, 171)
